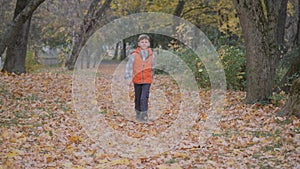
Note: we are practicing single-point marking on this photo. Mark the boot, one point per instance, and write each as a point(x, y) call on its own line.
point(144, 117)
point(138, 115)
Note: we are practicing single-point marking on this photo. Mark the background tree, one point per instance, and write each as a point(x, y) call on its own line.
point(259, 21)
point(92, 20)
point(292, 106)
point(292, 57)
point(16, 36)
point(16, 52)
point(6, 13)
point(54, 27)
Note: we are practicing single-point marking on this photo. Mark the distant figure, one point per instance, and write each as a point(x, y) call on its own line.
point(140, 71)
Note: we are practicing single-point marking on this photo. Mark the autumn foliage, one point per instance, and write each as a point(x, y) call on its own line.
point(40, 129)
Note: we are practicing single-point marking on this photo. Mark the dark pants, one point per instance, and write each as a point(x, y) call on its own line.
point(141, 94)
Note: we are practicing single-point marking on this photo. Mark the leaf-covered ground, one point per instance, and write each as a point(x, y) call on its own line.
point(40, 129)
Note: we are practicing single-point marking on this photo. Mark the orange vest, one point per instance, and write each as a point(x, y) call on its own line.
point(142, 70)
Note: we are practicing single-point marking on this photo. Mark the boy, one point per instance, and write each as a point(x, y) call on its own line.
point(140, 71)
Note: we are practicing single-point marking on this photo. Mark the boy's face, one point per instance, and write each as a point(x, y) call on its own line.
point(144, 44)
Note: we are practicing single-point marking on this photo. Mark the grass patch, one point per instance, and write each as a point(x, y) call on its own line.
point(256, 155)
point(103, 111)
point(297, 130)
point(266, 167)
point(283, 122)
point(4, 91)
point(21, 114)
point(271, 147)
point(172, 161)
point(33, 97)
point(258, 133)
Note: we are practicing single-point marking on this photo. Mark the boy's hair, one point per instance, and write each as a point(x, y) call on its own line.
point(143, 36)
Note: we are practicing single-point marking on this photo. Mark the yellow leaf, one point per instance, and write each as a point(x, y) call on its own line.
point(123, 161)
point(239, 77)
point(106, 164)
point(5, 134)
point(94, 102)
point(20, 152)
point(69, 149)
point(230, 162)
point(19, 134)
point(8, 164)
point(77, 167)
point(12, 154)
point(180, 155)
point(153, 132)
point(163, 166)
point(103, 161)
point(68, 165)
point(35, 116)
point(75, 139)
point(13, 140)
point(203, 116)
point(282, 92)
point(49, 159)
point(172, 166)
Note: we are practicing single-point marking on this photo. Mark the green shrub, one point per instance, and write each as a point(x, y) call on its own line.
point(278, 99)
point(197, 67)
point(234, 62)
point(31, 63)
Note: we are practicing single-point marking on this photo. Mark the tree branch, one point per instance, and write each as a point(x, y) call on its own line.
point(12, 28)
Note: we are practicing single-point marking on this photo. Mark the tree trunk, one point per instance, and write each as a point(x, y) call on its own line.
point(178, 11)
point(16, 52)
point(123, 51)
point(90, 24)
point(16, 25)
point(88, 60)
point(292, 106)
point(281, 22)
point(259, 21)
point(297, 39)
point(292, 73)
point(82, 62)
point(179, 8)
point(294, 69)
point(116, 52)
